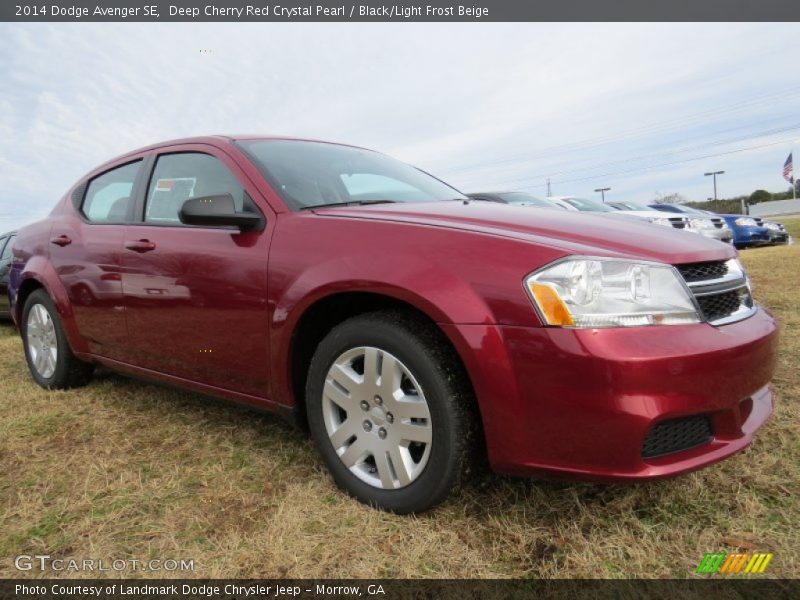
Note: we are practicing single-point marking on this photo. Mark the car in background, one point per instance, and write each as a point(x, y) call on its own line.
point(407, 327)
point(6, 241)
point(647, 214)
point(706, 224)
point(748, 231)
point(654, 216)
point(514, 198)
point(777, 233)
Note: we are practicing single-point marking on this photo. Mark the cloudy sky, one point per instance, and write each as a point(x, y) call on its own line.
point(643, 109)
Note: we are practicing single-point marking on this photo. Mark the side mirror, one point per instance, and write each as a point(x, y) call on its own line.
point(219, 211)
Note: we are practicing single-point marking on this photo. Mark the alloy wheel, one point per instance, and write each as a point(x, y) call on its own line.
point(41, 340)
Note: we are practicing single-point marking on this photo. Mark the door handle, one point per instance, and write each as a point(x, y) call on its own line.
point(140, 245)
point(61, 240)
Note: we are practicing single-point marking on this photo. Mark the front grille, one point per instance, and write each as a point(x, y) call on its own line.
point(703, 271)
point(676, 435)
point(722, 295)
point(720, 306)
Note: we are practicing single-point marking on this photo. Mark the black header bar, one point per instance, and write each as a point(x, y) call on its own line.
point(403, 11)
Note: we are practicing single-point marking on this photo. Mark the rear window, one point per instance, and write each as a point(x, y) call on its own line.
point(108, 196)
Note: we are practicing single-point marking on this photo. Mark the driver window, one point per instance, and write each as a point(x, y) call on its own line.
point(178, 177)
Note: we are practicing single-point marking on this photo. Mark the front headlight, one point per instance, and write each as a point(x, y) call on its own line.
point(702, 223)
point(746, 222)
point(659, 221)
point(600, 292)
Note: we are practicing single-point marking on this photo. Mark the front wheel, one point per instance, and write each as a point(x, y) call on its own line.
point(50, 359)
point(389, 409)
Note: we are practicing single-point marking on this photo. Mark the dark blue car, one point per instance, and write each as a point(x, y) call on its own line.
point(747, 231)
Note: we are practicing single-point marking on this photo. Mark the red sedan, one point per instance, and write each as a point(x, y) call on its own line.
point(405, 324)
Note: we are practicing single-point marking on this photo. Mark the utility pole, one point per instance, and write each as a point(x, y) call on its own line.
point(603, 193)
point(714, 175)
point(548, 188)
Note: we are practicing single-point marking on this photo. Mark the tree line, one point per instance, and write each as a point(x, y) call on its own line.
point(729, 205)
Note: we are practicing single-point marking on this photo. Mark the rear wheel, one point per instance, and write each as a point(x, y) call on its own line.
point(390, 411)
point(50, 359)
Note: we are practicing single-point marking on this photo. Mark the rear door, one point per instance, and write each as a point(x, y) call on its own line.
point(85, 253)
point(196, 297)
point(5, 271)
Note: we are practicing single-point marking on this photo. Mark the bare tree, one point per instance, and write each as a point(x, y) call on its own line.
point(674, 198)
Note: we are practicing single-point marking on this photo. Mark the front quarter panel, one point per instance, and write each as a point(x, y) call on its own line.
point(450, 275)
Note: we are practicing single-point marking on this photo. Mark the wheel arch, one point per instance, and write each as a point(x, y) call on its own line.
point(325, 313)
point(28, 286)
point(39, 274)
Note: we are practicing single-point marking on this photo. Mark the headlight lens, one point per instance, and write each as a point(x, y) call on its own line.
point(773, 226)
point(746, 222)
point(702, 223)
point(597, 292)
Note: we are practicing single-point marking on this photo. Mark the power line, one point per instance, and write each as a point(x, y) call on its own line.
point(794, 127)
point(632, 133)
point(677, 162)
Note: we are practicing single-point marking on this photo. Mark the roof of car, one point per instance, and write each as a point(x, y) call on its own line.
point(224, 139)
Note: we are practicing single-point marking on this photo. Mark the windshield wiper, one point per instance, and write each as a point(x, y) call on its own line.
point(348, 203)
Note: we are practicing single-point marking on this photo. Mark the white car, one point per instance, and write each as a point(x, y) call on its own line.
point(640, 212)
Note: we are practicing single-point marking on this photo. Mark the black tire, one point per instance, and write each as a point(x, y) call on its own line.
point(69, 370)
point(434, 364)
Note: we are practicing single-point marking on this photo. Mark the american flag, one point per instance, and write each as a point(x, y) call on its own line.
point(788, 169)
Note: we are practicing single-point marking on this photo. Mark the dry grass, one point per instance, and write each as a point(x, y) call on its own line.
point(124, 469)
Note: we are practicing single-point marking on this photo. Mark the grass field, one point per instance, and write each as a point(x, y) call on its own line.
point(128, 470)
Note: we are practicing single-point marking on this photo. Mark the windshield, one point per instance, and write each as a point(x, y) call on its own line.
point(525, 199)
point(633, 206)
point(673, 208)
point(309, 174)
point(587, 205)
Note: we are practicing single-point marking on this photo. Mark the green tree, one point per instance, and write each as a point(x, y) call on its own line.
point(759, 196)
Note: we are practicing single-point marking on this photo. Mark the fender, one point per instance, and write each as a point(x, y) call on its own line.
point(455, 299)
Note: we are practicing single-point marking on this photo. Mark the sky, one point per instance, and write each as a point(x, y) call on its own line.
point(644, 109)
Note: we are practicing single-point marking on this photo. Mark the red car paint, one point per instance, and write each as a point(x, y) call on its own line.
point(216, 311)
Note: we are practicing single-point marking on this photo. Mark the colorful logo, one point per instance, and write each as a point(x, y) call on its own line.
point(729, 564)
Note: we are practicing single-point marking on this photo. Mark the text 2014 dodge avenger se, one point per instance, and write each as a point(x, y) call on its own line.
point(404, 323)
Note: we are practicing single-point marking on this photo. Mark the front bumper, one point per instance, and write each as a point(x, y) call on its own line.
point(581, 402)
point(778, 237)
point(752, 236)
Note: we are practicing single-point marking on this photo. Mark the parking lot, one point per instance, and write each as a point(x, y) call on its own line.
point(123, 469)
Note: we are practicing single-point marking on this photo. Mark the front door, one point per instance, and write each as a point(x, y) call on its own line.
point(196, 297)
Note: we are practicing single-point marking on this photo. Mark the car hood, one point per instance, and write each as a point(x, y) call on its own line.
point(573, 232)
